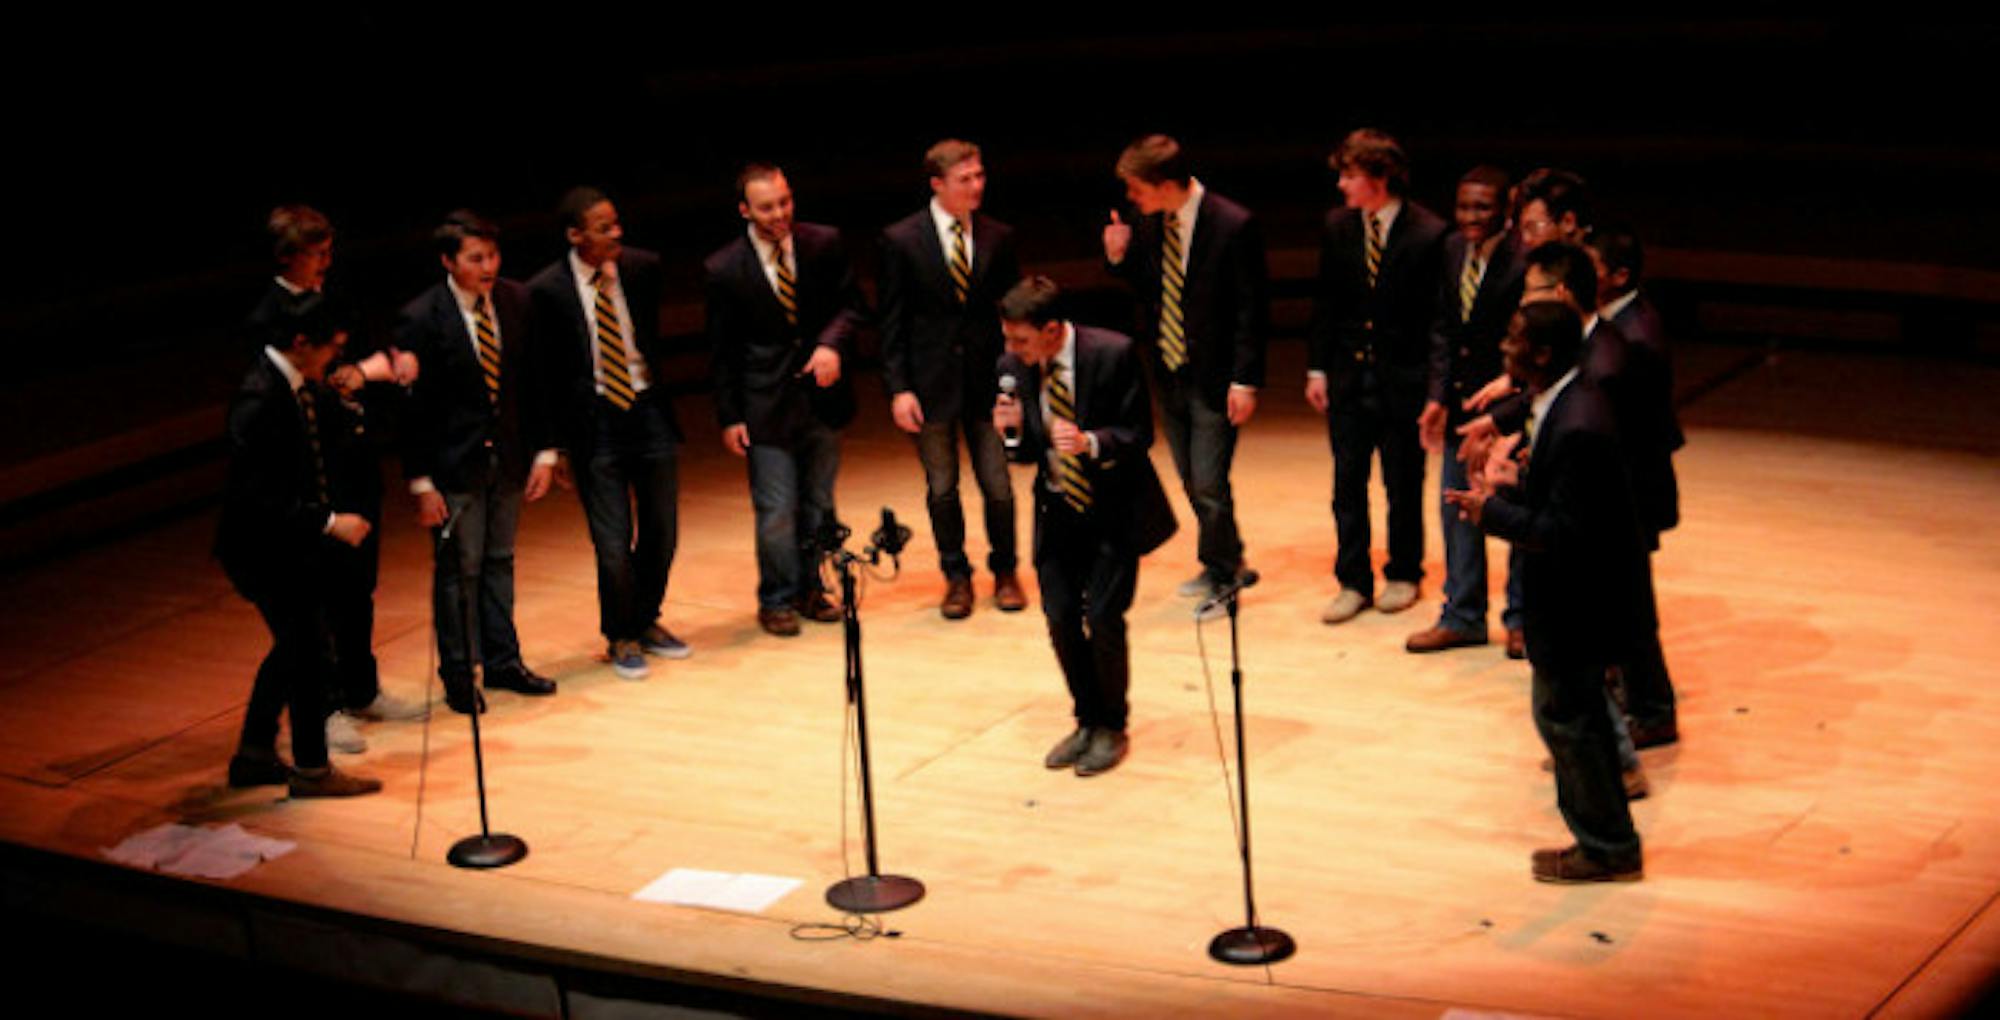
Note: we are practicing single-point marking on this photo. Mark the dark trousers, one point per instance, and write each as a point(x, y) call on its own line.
point(1203, 444)
point(1465, 558)
point(937, 448)
point(1359, 424)
point(1649, 691)
point(1087, 581)
point(476, 565)
point(1569, 706)
point(630, 487)
point(350, 614)
point(294, 675)
point(791, 490)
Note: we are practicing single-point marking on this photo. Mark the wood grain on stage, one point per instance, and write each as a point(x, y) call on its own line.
point(1825, 841)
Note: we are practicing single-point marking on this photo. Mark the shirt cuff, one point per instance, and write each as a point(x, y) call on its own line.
point(419, 486)
point(327, 528)
point(546, 458)
point(1091, 438)
point(1245, 387)
point(1315, 373)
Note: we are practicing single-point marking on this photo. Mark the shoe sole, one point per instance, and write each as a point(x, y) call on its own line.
point(677, 652)
point(629, 672)
point(1622, 876)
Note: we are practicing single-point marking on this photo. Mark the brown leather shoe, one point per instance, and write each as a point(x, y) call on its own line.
point(1438, 639)
point(1008, 593)
point(778, 622)
point(957, 604)
point(1636, 787)
point(331, 782)
point(818, 608)
point(1517, 643)
point(1570, 865)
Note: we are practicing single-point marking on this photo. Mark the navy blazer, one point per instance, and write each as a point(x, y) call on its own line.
point(1225, 303)
point(565, 387)
point(932, 344)
point(272, 529)
point(1388, 325)
point(757, 355)
point(1128, 505)
point(1465, 352)
point(449, 421)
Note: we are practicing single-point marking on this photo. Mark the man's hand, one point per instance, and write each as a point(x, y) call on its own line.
point(907, 412)
point(1316, 392)
point(1476, 435)
point(1067, 438)
point(347, 380)
point(431, 511)
point(1242, 404)
point(736, 439)
point(1117, 239)
point(1430, 427)
point(1492, 391)
point(404, 364)
point(540, 477)
point(1006, 414)
point(823, 366)
point(350, 528)
point(1471, 505)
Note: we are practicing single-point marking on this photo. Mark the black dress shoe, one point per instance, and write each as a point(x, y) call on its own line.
point(1571, 866)
point(247, 770)
point(1068, 749)
point(521, 679)
point(1660, 735)
point(462, 701)
point(1107, 749)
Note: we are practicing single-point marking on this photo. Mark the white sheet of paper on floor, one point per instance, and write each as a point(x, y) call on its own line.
point(718, 890)
point(224, 852)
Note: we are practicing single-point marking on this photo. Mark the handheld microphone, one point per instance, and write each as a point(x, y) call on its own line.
point(1227, 593)
point(1012, 433)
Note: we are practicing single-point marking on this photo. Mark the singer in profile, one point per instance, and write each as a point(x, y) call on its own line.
point(1083, 417)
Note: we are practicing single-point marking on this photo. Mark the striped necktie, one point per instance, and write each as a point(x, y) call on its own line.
point(1374, 252)
point(488, 340)
point(1468, 283)
point(1070, 478)
point(961, 263)
point(613, 370)
point(1173, 329)
point(788, 286)
point(309, 411)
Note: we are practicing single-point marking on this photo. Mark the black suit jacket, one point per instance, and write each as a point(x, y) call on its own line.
point(1465, 352)
point(1127, 503)
point(932, 345)
point(1387, 325)
point(450, 422)
point(1225, 305)
point(565, 388)
point(271, 532)
point(1586, 589)
point(757, 355)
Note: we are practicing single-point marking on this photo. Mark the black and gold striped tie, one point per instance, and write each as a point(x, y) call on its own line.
point(788, 286)
point(1374, 252)
point(1468, 284)
point(1075, 485)
point(488, 340)
point(961, 262)
point(617, 374)
point(1173, 329)
point(310, 413)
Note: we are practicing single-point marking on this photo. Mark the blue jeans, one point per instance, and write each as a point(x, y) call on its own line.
point(476, 565)
point(630, 489)
point(1204, 444)
point(1465, 559)
point(791, 489)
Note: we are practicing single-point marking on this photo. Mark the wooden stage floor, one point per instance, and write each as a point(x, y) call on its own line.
point(1825, 840)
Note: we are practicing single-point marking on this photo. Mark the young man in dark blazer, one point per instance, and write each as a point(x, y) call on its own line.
point(278, 538)
point(1084, 419)
point(782, 310)
point(1480, 289)
point(1587, 590)
point(1368, 353)
point(472, 452)
point(943, 267)
point(595, 317)
point(1196, 262)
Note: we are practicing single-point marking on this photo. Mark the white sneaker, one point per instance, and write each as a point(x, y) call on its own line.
point(1397, 596)
point(1345, 606)
point(342, 736)
point(1196, 587)
point(387, 706)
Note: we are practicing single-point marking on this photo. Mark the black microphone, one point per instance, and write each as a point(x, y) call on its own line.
point(1224, 594)
point(891, 537)
point(1012, 433)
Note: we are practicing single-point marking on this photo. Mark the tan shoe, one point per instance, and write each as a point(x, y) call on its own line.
point(957, 604)
point(1008, 593)
point(330, 782)
point(1438, 639)
point(1345, 606)
point(1396, 597)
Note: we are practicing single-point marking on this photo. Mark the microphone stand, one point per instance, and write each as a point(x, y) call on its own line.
point(1252, 943)
point(874, 892)
point(489, 849)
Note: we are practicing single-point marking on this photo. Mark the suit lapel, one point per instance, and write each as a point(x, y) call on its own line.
point(1081, 377)
point(759, 282)
point(938, 261)
point(1203, 239)
point(982, 248)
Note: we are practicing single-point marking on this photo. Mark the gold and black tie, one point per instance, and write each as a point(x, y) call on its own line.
point(961, 262)
point(1468, 284)
point(1173, 276)
point(1070, 478)
point(788, 286)
point(488, 340)
point(309, 411)
point(1374, 252)
point(617, 375)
